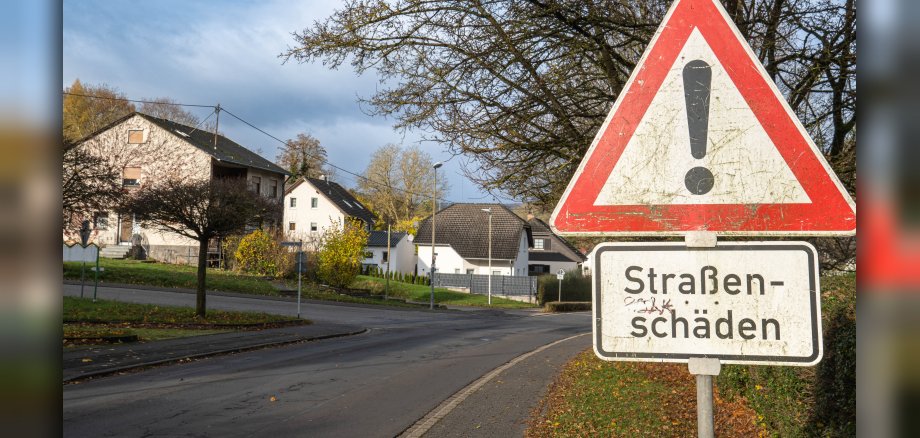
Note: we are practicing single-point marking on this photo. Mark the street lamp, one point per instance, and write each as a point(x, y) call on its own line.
point(434, 212)
point(489, 210)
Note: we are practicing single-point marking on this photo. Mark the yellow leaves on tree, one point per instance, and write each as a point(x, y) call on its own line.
point(342, 249)
point(260, 253)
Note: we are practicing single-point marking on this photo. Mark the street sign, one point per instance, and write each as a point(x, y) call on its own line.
point(700, 139)
point(560, 274)
point(738, 302)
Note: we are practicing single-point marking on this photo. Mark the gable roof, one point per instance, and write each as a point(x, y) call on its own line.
point(541, 227)
point(379, 238)
point(226, 150)
point(465, 227)
point(340, 196)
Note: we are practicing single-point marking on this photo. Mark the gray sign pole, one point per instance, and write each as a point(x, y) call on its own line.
point(703, 368)
point(299, 274)
point(96, 283)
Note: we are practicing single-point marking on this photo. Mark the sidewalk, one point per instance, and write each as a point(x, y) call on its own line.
point(85, 362)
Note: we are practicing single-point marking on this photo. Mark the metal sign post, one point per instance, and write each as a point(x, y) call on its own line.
point(560, 274)
point(299, 245)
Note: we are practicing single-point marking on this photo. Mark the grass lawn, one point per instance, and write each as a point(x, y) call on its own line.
point(168, 275)
point(83, 318)
point(417, 292)
point(592, 397)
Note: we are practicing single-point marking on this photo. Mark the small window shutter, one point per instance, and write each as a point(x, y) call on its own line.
point(132, 173)
point(547, 244)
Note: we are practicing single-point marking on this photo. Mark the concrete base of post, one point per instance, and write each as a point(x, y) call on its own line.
point(704, 369)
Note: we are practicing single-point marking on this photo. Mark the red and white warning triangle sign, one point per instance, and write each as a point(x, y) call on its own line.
point(700, 139)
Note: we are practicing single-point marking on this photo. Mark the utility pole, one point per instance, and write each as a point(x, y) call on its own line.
point(386, 290)
point(489, 210)
point(434, 213)
point(216, 124)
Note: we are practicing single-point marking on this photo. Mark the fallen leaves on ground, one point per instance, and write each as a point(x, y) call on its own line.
point(596, 398)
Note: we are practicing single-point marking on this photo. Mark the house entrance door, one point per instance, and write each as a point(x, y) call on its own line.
point(127, 228)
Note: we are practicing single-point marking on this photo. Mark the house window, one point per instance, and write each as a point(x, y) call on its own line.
point(292, 226)
point(496, 272)
point(469, 271)
point(386, 255)
point(257, 184)
point(131, 177)
point(135, 136)
point(456, 270)
point(314, 202)
point(293, 202)
point(368, 255)
point(101, 221)
point(538, 244)
point(312, 226)
point(274, 188)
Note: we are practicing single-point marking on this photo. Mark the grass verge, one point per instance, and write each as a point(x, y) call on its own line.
point(168, 275)
point(808, 401)
point(88, 320)
point(592, 397)
point(417, 292)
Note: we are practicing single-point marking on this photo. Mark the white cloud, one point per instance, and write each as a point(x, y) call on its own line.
point(227, 53)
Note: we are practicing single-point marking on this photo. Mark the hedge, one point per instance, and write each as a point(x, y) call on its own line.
point(566, 306)
point(575, 287)
point(808, 401)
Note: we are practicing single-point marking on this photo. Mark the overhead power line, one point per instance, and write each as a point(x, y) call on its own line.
point(137, 101)
point(217, 108)
point(329, 163)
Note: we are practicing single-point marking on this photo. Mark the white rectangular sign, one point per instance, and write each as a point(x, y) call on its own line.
point(77, 253)
point(739, 302)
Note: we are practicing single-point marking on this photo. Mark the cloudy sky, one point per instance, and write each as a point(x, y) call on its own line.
point(205, 52)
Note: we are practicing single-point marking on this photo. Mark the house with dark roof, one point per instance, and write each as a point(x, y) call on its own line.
point(148, 149)
point(399, 253)
point(313, 204)
point(461, 241)
point(550, 252)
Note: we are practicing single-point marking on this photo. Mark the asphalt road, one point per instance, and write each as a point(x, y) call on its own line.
point(373, 385)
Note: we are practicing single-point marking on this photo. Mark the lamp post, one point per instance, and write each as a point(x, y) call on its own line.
point(434, 212)
point(489, 210)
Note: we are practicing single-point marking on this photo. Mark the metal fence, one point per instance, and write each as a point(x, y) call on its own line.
point(479, 284)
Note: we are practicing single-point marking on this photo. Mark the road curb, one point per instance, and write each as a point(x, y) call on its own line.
point(156, 362)
point(423, 425)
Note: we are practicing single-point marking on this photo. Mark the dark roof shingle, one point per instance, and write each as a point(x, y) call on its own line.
point(540, 227)
point(340, 196)
point(465, 227)
point(379, 238)
point(227, 150)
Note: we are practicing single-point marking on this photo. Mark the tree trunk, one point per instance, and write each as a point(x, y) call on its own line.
point(200, 301)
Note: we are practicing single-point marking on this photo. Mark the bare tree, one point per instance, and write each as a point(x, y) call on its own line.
point(200, 210)
point(89, 184)
point(303, 156)
point(523, 86)
point(398, 185)
point(168, 109)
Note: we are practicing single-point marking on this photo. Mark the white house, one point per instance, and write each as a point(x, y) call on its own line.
point(551, 252)
point(147, 149)
point(401, 252)
point(313, 204)
point(461, 240)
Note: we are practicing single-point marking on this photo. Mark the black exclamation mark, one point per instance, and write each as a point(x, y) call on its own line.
point(697, 79)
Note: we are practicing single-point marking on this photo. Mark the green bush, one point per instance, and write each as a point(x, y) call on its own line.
point(808, 401)
point(575, 287)
point(341, 253)
point(566, 306)
point(260, 253)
